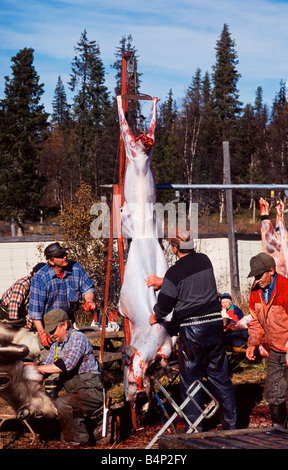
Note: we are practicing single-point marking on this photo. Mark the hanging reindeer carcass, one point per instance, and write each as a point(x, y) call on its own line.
point(145, 257)
point(275, 240)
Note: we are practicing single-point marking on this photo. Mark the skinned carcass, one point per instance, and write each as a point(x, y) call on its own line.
point(145, 257)
point(21, 385)
point(275, 240)
point(13, 333)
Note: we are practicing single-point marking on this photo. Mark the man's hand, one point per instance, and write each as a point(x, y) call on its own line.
point(250, 353)
point(45, 339)
point(153, 319)
point(154, 281)
point(89, 306)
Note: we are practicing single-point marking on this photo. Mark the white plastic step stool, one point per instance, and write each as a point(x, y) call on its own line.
point(206, 413)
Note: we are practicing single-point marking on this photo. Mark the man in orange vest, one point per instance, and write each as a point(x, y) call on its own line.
point(268, 306)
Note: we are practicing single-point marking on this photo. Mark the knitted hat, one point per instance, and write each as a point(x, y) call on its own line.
point(226, 296)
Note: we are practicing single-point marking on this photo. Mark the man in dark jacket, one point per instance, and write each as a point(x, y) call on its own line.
point(189, 289)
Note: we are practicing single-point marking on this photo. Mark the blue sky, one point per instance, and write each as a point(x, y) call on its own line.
point(173, 38)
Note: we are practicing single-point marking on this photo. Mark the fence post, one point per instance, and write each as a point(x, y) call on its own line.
point(234, 273)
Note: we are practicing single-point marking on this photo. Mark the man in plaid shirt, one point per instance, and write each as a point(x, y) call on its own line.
point(15, 300)
point(60, 285)
point(71, 356)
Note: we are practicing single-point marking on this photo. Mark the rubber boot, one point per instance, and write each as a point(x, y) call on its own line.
point(278, 415)
point(51, 389)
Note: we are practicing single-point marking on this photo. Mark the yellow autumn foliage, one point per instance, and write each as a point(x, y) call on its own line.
point(75, 221)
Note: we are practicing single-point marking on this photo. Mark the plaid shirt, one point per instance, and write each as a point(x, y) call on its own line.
point(16, 298)
point(49, 291)
point(76, 352)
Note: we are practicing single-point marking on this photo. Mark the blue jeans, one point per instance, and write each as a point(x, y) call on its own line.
point(201, 353)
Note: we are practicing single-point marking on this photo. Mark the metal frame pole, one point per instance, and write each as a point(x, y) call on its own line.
point(272, 186)
point(234, 277)
point(215, 186)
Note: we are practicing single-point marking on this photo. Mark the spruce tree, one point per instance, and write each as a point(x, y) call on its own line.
point(206, 171)
point(133, 115)
point(60, 106)
point(278, 137)
point(90, 108)
point(22, 124)
point(225, 77)
point(190, 120)
point(166, 162)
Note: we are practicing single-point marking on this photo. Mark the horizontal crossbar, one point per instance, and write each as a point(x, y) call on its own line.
point(136, 96)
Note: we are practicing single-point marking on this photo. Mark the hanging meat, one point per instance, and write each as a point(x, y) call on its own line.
point(275, 240)
point(145, 257)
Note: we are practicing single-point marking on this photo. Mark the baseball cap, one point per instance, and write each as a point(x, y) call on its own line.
point(54, 250)
point(53, 318)
point(180, 240)
point(260, 264)
point(226, 296)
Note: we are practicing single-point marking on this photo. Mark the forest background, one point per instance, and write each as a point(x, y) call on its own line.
point(56, 166)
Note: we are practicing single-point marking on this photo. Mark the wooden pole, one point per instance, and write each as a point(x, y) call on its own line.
point(234, 275)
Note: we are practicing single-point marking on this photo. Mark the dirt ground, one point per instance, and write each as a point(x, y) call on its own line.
point(252, 412)
point(15, 435)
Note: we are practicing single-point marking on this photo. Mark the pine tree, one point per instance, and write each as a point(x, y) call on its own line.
point(260, 157)
point(125, 45)
point(209, 136)
point(134, 113)
point(225, 78)
point(166, 163)
point(60, 106)
point(91, 105)
point(251, 150)
point(225, 95)
point(190, 120)
point(22, 124)
point(206, 171)
point(278, 136)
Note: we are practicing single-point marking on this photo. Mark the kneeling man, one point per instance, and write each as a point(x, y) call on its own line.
point(71, 355)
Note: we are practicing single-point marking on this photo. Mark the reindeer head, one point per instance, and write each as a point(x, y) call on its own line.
point(21, 386)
